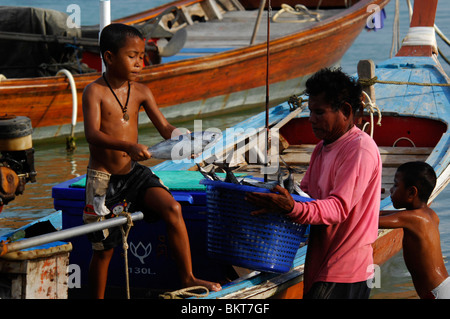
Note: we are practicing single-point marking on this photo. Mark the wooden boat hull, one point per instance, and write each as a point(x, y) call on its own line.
point(254, 4)
point(223, 81)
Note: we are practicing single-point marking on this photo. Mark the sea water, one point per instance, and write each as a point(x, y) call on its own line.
point(54, 165)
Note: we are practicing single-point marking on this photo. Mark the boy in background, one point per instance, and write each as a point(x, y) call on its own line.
point(413, 185)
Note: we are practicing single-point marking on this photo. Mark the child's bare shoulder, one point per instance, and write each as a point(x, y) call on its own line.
point(142, 92)
point(141, 87)
point(95, 86)
point(424, 216)
point(94, 91)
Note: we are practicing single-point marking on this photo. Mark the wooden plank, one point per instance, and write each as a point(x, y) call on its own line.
point(297, 158)
point(300, 148)
point(393, 160)
point(236, 27)
point(382, 149)
point(392, 157)
point(405, 150)
point(211, 10)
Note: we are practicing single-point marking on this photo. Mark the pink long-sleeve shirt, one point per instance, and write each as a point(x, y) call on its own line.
point(345, 179)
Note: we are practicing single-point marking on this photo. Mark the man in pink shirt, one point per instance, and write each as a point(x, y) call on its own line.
point(344, 177)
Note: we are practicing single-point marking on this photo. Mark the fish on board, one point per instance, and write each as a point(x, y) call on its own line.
point(211, 175)
point(287, 183)
point(255, 183)
point(185, 145)
point(229, 176)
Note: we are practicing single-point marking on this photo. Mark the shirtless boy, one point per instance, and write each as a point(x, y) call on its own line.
point(110, 107)
point(413, 184)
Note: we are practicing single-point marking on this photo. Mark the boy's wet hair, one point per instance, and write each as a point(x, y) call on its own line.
point(114, 36)
point(421, 175)
point(337, 86)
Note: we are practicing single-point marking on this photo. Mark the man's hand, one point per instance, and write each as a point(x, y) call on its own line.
point(279, 201)
point(139, 152)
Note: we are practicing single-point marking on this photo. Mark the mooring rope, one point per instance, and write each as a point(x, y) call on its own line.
point(374, 80)
point(299, 10)
point(185, 292)
point(125, 229)
point(371, 108)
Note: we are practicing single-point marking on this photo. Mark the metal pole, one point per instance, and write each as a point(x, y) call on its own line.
point(105, 19)
point(269, 9)
point(66, 233)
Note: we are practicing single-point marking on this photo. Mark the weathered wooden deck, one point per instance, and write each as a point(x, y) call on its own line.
point(236, 28)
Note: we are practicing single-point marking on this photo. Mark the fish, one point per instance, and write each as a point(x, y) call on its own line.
point(185, 145)
point(203, 172)
point(289, 182)
point(251, 182)
point(211, 175)
point(229, 177)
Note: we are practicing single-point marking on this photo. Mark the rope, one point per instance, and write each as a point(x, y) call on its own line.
point(185, 292)
point(125, 231)
point(371, 108)
point(299, 10)
point(443, 56)
point(295, 102)
point(404, 138)
point(374, 80)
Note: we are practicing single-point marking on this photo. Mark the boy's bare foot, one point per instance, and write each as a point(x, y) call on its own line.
point(212, 286)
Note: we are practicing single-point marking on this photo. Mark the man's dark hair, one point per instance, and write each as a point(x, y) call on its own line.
point(337, 87)
point(114, 36)
point(421, 175)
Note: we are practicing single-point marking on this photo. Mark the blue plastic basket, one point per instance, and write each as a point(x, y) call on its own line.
point(266, 242)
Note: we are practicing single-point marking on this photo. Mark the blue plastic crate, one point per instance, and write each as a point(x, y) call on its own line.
point(266, 242)
point(150, 261)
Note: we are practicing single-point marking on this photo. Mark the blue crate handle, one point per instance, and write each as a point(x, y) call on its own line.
point(248, 188)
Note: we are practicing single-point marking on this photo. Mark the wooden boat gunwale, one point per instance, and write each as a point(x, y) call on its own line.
point(174, 74)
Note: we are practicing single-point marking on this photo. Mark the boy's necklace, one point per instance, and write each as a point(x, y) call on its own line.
point(124, 109)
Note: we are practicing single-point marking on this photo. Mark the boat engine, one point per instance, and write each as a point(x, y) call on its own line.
point(17, 157)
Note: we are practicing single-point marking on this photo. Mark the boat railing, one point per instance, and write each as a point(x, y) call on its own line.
point(70, 143)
